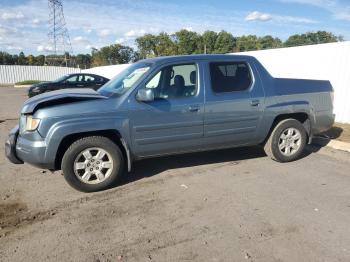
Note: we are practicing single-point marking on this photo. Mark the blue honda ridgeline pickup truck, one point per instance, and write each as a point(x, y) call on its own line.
point(168, 105)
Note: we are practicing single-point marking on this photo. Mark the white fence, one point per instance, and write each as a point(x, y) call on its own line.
point(324, 62)
point(10, 74)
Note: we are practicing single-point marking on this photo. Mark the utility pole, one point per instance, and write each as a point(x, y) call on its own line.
point(60, 46)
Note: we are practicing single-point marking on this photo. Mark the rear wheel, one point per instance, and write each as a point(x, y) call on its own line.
point(92, 164)
point(287, 141)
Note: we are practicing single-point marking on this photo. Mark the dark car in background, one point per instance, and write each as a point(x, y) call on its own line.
point(78, 80)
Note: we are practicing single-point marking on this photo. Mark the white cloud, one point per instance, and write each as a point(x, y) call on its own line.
point(264, 17)
point(12, 15)
point(131, 33)
point(7, 31)
point(36, 21)
point(16, 48)
point(135, 33)
point(257, 16)
point(105, 32)
point(88, 30)
point(82, 43)
point(89, 47)
point(81, 40)
point(190, 28)
point(42, 48)
point(121, 40)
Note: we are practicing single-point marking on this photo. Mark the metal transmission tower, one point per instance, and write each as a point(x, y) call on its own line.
point(59, 41)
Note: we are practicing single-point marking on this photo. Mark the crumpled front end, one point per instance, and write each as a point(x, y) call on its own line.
point(10, 146)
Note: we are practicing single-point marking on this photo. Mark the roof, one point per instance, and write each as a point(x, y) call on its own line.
point(164, 59)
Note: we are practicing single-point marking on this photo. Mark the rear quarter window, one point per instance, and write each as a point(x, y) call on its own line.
point(230, 76)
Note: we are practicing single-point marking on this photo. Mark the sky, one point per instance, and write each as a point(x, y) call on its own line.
point(96, 23)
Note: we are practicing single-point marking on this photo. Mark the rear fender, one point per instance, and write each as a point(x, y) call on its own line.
point(289, 108)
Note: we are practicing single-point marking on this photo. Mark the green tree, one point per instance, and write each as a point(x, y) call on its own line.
point(268, 42)
point(312, 38)
point(22, 60)
point(165, 46)
point(40, 60)
point(188, 42)
point(31, 60)
point(225, 43)
point(83, 60)
point(147, 45)
point(209, 39)
point(111, 55)
point(248, 43)
point(6, 59)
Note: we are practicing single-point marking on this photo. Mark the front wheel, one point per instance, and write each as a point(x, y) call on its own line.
point(92, 164)
point(287, 141)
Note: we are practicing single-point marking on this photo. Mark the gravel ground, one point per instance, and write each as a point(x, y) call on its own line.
point(229, 205)
point(11, 100)
point(339, 132)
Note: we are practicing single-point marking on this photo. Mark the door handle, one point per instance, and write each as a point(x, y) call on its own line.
point(255, 103)
point(194, 108)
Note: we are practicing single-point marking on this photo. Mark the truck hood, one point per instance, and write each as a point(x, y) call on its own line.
point(59, 97)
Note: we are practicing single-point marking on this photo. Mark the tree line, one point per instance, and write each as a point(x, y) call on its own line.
point(183, 42)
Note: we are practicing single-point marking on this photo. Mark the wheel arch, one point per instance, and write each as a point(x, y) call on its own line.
point(113, 135)
point(302, 117)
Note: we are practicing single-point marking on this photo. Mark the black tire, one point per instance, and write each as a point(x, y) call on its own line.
point(272, 145)
point(92, 142)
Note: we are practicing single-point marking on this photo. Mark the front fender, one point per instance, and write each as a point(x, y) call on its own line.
point(64, 128)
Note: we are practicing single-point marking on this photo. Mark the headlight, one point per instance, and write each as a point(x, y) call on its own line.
point(32, 123)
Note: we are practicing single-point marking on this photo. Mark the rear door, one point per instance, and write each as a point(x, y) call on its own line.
point(99, 81)
point(173, 122)
point(234, 104)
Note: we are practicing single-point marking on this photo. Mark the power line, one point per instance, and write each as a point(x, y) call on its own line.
point(59, 41)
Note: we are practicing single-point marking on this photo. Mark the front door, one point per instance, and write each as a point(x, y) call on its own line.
point(234, 104)
point(173, 122)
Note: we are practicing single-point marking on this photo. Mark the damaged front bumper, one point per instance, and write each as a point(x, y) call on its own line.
point(10, 146)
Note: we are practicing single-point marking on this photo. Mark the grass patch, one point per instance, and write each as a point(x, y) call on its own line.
point(30, 82)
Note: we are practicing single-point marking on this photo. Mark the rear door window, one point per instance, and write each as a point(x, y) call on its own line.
point(230, 76)
point(89, 79)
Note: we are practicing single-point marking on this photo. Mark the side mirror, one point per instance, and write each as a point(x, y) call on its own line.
point(145, 95)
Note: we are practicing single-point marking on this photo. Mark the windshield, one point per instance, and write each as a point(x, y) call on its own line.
point(125, 80)
point(60, 79)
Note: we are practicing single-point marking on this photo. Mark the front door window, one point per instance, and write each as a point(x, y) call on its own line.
point(175, 81)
